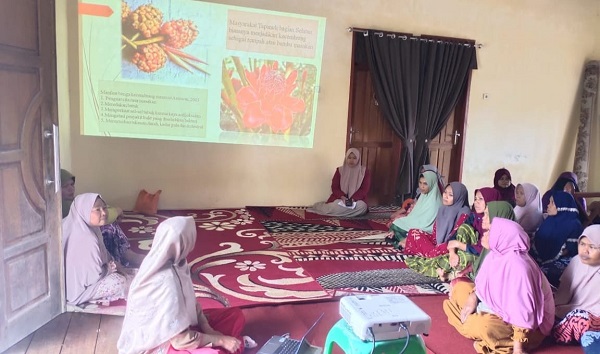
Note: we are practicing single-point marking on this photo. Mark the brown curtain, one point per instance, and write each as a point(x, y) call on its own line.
point(418, 81)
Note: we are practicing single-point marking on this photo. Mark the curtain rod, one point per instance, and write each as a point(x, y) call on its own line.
point(365, 33)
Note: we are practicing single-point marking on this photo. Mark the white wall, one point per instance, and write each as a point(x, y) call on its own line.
point(530, 66)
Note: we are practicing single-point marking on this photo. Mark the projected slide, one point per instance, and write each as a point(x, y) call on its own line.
point(196, 71)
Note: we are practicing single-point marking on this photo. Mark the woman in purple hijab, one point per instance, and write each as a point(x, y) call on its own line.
point(503, 184)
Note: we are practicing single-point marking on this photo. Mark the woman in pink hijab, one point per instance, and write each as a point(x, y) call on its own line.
point(511, 307)
point(349, 189)
point(577, 299)
point(90, 272)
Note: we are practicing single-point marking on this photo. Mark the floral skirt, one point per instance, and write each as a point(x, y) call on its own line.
point(575, 324)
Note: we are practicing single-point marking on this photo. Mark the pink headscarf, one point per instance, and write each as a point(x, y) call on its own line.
point(351, 177)
point(86, 257)
point(580, 283)
point(511, 283)
point(530, 216)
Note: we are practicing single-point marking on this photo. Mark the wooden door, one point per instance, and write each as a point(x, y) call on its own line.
point(371, 134)
point(380, 147)
point(30, 252)
point(447, 149)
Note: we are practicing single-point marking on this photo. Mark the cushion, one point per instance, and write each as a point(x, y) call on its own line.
point(147, 203)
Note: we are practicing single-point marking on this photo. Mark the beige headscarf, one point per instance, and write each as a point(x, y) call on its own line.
point(161, 301)
point(86, 257)
point(351, 177)
point(530, 216)
point(580, 283)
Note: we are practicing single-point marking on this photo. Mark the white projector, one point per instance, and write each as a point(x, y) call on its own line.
point(383, 314)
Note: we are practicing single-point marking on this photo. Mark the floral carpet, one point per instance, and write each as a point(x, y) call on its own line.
point(235, 262)
point(299, 213)
point(239, 260)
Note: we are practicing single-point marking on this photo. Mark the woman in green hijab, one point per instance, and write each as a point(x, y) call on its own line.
point(498, 209)
point(423, 213)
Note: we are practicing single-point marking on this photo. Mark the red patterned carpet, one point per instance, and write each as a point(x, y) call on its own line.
point(235, 261)
point(247, 258)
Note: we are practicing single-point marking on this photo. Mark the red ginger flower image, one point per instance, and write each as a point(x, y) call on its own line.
point(267, 100)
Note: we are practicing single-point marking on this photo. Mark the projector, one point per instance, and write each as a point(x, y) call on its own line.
point(383, 314)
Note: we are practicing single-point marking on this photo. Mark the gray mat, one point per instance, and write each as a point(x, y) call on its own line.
point(375, 278)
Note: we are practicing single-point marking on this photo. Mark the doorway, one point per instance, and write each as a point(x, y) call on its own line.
point(380, 147)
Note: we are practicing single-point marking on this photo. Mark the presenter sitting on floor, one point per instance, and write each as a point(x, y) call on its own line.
point(349, 189)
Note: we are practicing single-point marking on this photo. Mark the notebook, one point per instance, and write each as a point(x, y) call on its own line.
point(284, 345)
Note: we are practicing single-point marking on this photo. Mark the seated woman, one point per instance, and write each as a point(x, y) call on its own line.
point(114, 238)
point(529, 207)
point(67, 191)
point(566, 182)
point(577, 305)
point(90, 272)
point(351, 183)
point(560, 228)
point(462, 249)
point(510, 307)
point(555, 242)
point(162, 313)
point(503, 184)
point(453, 212)
point(409, 204)
point(424, 212)
point(499, 209)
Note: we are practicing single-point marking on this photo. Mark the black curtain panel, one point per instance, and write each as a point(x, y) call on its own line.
point(418, 81)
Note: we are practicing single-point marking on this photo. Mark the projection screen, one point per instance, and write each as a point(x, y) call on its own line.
point(197, 71)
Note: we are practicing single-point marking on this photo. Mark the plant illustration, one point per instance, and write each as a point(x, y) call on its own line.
point(149, 43)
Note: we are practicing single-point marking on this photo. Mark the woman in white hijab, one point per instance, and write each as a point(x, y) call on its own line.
point(162, 305)
point(349, 189)
point(528, 210)
point(90, 272)
point(577, 301)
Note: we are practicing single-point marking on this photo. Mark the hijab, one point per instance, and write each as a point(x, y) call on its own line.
point(440, 179)
point(496, 209)
point(528, 301)
point(580, 283)
point(559, 185)
point(530, 216)
point(424, 212)
point(351, 177)
point(448, 215)
point(555, 230)
point(161, 301)
point(508, 193)
point(489, 195)
point(66, 176)
point(86, 257)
